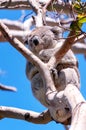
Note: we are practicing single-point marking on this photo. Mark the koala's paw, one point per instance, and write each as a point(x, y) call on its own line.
point(45, 55)
point(54, 74)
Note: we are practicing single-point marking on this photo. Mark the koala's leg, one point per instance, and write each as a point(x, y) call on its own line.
point(38, 89)
point(61, 111)
point(68, 76)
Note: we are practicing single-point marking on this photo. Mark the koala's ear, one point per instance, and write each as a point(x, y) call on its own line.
point(57, 31)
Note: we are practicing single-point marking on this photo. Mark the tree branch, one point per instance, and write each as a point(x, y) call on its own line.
point(24, 51)
point(30, 116)
point(17, 29)
point(70, 40)
point(14, 4)
point(52, 95)
point(7, 88)
point(29, 56)
point(20, 47)
point(79, 48)
point(78, 106)
point(19, 4)
point(37, 8)
point(47, 79)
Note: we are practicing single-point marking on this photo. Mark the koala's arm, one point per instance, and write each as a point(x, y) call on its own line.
point(46, 54)
point(68, 58)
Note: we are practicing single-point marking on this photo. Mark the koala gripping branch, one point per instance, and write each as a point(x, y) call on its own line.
point(28, 55)
point(20, 47)
point(62, 51)
point(31, 57)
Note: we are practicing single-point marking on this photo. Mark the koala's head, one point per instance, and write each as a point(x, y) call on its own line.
point(42, 38)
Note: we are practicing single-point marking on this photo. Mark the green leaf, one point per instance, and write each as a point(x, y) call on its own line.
point(78, 0)
point(73, 26)
point(82, 20)
point(79, 24)
point(76, 26)
point(77, 5)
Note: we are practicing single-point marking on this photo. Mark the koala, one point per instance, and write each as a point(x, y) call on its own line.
point(44, 42)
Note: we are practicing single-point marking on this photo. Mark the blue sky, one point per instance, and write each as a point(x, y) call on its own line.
point(12, 63)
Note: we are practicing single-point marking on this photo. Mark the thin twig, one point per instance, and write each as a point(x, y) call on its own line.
point(7, 88)
point(37, 8)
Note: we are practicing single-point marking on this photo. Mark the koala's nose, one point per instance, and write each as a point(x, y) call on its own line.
point(35, 40)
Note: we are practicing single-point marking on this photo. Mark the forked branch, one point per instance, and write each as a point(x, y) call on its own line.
point(29, 56)
point(14, 112)
point(49, 85)
point(70, 40)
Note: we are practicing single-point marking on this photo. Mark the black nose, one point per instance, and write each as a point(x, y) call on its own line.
point(35, 41)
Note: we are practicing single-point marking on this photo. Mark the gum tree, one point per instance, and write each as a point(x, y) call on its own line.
point(67, 15)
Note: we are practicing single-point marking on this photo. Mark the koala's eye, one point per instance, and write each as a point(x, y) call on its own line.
point(35, 40)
